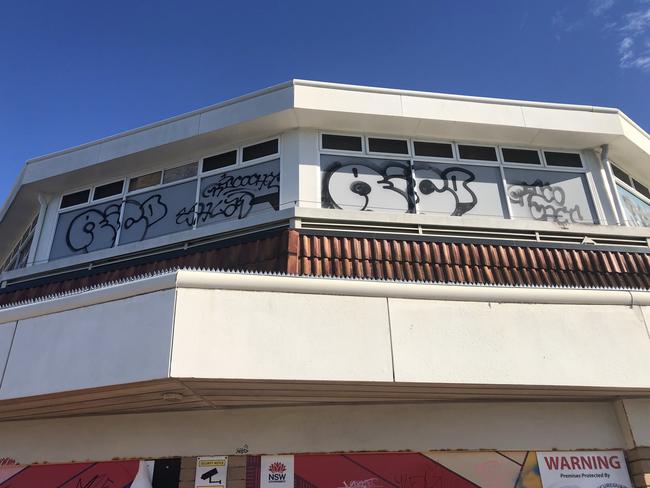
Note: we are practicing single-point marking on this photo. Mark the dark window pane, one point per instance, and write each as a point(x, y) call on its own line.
point(620, 174)
point(343, 143)
point(108, 190)
point(220, 161)
point(523, 156)
point(433, 149)
point(569, 160)
point(642, 189)
point(480, 153)
point(75, 198)
point(144, 181)
point(260, 150)
point(393, 146)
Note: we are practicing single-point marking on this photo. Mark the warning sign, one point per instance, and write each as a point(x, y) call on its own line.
point(211, 472)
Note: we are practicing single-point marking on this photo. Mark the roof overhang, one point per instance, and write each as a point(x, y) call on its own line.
point(326, 106)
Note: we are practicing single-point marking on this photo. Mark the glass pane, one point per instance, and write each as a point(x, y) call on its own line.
point(480, 153)
point(180, 172)
point(353, 183)
point(458, 190)
point(568, 160)
point(76, 198)
point(620, 174)
point(260, 150)
point(642, 189)
point(433, 149)
point(86, 230)
point(219, 161)
point(549, 196)
point(158, 212)
point(342, 143)
point(108, 190)
point(145, 181)
point(521, 156)
point(392, 146)
point(239, 193)
point(637, 212)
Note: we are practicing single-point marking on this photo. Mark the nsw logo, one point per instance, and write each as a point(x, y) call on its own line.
point(277, 472)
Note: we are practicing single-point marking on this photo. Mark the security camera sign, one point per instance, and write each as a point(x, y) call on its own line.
point(583, 469)
point(211, 472)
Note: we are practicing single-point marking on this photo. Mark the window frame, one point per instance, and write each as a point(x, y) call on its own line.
point(500, 163)
point(122, 197)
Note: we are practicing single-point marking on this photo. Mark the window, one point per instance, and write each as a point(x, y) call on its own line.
point(389, 146)
point(180, 173)
point(561, 159)
point(477, 153)
point(77, 198)
point(553, 196)
point(455, 179)
point(169, 201)
point(109, 190)
point(220, 161)
point(521, 156)
point(621, 175)
point(260, 150)
point(18, 256)
point(433, 149)
point(341, 143)
point(145, 181)
point(632, 195)
point(642, 189)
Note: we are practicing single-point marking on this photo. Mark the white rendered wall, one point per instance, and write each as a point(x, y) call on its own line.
point(239, 334)
point(243, 334)
point(117, 342)
point(502, 426)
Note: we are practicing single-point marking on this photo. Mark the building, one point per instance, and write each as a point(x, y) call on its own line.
point(384, 288)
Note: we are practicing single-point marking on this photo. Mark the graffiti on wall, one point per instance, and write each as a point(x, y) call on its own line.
point(545, 202)
point(160, 473)
point(225, 196)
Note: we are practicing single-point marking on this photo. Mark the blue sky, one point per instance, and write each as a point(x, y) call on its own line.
point(75, 71)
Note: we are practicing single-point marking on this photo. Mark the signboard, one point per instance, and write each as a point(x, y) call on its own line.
point(211, 472)
point(276, 472)
point(583, 469)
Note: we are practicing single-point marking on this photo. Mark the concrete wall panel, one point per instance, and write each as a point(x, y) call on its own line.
point(531, 344)
point(237, 334)
point(110, 343)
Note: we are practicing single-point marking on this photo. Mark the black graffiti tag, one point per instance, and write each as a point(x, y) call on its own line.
point(148, 212)
point(233, 196)
point(545, 201)
point(92, 226)
point(368, 187)
point(456, 181)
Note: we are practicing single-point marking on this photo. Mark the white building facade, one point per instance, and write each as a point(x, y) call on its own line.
point(332, 285)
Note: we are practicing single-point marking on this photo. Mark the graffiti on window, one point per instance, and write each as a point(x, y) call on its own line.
point(545, 201)
point(367, 184)
point(174, 208)
point(456, 181)
point(94, 228)
point(236, 194)
point(637, 212)
point(370, 185)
